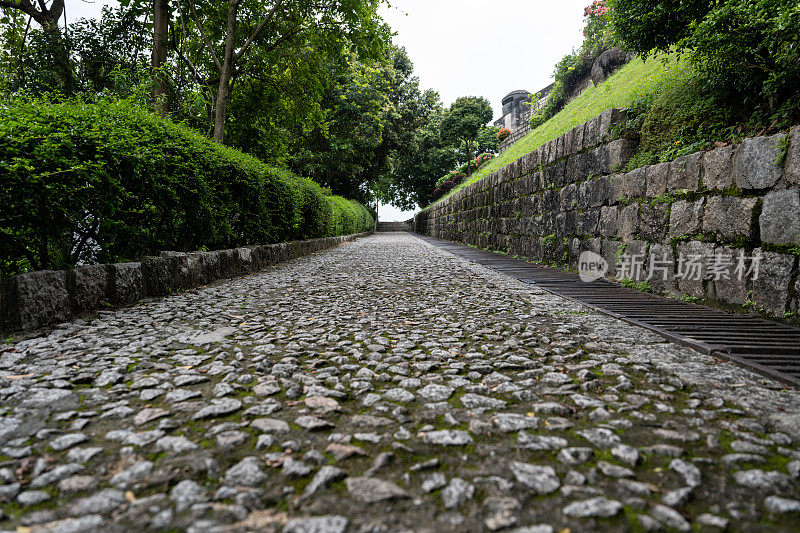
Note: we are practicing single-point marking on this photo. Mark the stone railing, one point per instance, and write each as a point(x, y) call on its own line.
point(568, 196)
point(39, 299)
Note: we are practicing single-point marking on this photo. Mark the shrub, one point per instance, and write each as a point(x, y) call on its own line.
point(503, 133)
point(110, 182)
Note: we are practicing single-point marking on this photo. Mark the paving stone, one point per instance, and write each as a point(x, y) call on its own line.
point(447, 437)
point(372, 490)
point(601, 507)
point(317, 524)
point(539, 479)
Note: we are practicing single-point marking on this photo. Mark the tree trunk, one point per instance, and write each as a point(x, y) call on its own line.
point(469, 159)
point(226, 72)
point(159, 55)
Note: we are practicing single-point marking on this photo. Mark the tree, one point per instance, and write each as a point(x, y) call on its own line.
point(47, 18)
point(158, 58)
point(241, 29)
point(464, 120)
point(422, 162)
point(748, 51)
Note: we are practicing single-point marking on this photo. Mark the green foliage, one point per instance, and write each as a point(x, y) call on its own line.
point(748, 50)
point(464, 120)
point(108, 181)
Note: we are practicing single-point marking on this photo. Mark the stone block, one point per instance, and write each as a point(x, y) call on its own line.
point(656, 177)
point(628, 222)
point(611, 250)
point(791, 167)
point(591, 133)
point(577, 138)
point(35, 300)
point(126, 283)
point(569, 197)
point(616, 154)
point(780, 217)
point(771, 287)
point(586, 222)
point(661, 268)
point(608, 119)
point(684, 173)
point(635, 261)
point(581, 166)
point(88, 288)
point(160, 275)
point(685, 218)
point(730, 285)
point(729, 217)
point(607, 225)
point(653, 221)
point(630, 185)
point(755, 163)
point(718, 168)
point(691, 274)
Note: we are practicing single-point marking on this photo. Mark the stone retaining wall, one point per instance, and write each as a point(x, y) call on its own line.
point(38, 299)
point(567, 197)
point(396, 226)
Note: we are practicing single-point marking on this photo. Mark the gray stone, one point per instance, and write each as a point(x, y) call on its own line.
point(791, 167)
point(575, 456)
point(77, 484)
point(684, 173)
point(656, 176)
point(600, 437)
point(710, 520)
point(684, 218)
point(447, 437)
point(778, 505)
point(186, 493)
point(510, 422)
point(677, 497)
point(317, 524)
point(398, 395)
point(32, 497)
point(56, 474)
point(457, 493)
point(761, 480)
point(670, 517)
point(67, 441)
point(477, 401)
point(323, 479)
point(540, 442)
point(88, 287)
point(780, 217)
point(295, 469)
point(539, 479)
point(627, 454)
point(270, 425)
point(434, 482)
point(219, 407)
point(729, 217)
point(372, 490)
point(84, 524)
point(718, 168)
point(126, 284)
point(691, 474)
point(101, 502)
point(628, 221)
point(35, 300)
point(135, 473)
point(502, 512)
point(312, 423)
point(246, 472)
point(597, 507)
point(612, 470)
point(175, 444)
point(771, 289)
point(754, 163)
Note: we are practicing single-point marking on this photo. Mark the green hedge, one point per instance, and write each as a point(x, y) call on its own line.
point(110, 182)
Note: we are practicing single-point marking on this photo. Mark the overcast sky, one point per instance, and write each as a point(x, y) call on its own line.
point(468, 47)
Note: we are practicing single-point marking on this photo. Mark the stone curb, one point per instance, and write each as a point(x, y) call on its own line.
point(39, 299)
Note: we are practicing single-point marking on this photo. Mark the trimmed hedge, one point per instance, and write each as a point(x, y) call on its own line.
point(109, 182)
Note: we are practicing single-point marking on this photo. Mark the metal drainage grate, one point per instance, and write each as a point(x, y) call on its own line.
point(766, 347)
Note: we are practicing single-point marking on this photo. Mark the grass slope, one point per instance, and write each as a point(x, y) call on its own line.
point(635, 80)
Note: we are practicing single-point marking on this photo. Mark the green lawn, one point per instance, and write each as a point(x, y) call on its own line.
point(635, 80)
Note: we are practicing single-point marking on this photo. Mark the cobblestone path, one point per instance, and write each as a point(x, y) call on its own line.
point(385, 385)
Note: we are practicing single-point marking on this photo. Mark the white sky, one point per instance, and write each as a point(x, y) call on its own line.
point(467, 47)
